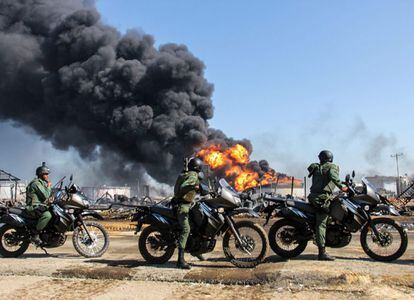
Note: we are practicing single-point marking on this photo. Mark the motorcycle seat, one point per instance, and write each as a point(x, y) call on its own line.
point(22, 213)
point(164, 211)
point(301, 205)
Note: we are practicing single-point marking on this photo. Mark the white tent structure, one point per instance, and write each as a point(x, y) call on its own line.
point(10, 187)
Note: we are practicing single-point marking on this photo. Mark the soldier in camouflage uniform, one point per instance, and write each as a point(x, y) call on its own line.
point(185, 189)
point(325, 178)
point(37, 193)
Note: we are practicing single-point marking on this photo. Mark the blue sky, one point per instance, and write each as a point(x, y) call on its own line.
point(298, 76)
point(295, 77)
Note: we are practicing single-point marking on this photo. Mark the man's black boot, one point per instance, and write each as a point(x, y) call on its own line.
point(35, 238)
point(323, 255)
point(181, 263)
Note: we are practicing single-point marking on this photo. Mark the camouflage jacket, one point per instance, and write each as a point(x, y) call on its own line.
point(37, 192)
point(185, 186)
point(325, 177)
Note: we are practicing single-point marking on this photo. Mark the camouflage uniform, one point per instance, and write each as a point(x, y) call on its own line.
point(325, 177)
point(37, 193)
point(184, 193)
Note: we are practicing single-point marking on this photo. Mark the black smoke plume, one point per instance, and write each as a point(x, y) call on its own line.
point(116, 98)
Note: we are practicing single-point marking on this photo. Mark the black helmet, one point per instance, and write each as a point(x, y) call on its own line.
point(195, 164)
point(43, 169)
point(325, 156)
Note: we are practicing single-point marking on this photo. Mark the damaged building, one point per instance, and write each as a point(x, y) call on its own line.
point(12, 189)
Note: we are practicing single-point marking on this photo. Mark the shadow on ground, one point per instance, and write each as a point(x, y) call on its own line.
point(129, 263)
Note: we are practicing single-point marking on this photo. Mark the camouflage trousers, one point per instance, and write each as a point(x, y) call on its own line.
point(321, 203)
point(42, 213)
point(183, 213)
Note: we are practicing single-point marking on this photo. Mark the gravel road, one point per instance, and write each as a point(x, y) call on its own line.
point(122, 274)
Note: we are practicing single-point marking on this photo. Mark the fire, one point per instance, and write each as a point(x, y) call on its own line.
point(235, 170)
point(245, 180)
point(268, 178)
point(239, 154)
point(213, 157)
point(234, 163)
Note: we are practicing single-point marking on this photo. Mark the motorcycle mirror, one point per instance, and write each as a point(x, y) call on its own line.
point(353, 174)
point(347, 178)
point(71, 177)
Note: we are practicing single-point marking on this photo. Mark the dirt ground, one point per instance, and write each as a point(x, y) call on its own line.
point(122, 274)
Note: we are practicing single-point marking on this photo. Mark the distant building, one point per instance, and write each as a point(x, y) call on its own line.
point(283, 190)
point(11, 188)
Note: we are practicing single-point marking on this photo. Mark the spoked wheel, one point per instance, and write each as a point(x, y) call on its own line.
point(155, 245)
point(282, 239)
point(93, 246)
point(253, 249)
point(391, 244)
point(11, 243)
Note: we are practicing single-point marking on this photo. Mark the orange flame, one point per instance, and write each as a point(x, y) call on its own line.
point(246, 180)
point(233, 171)
point(213, 157)
point(234, 163)
point(239, 154)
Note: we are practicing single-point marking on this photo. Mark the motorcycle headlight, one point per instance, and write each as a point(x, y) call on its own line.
point(70, 211)
point(220, 210)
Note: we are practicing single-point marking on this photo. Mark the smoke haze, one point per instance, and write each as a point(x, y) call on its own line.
point(117, 100)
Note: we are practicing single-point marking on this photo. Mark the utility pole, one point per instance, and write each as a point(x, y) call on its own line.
point(397, 156)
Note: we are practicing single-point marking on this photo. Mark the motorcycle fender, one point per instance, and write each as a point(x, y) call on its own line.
point(293, 214)
point(244, 210)
point(368, 224)
point(92, 214)
point(12, 220)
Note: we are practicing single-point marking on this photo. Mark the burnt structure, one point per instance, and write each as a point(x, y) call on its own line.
point(9, 186)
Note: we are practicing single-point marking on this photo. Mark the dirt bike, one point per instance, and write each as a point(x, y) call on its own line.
point(382, 239)
point(211, 216)
point(68, 207)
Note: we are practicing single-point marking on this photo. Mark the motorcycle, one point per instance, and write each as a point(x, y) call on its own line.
point(69, 208)
point(211, 216)
point(382, 238)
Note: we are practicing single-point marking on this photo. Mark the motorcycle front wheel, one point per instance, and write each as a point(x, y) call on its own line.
point(283, 241)
point(254, 245)
point(392, 243)
point(155, 246)
point(93, 246)
point(10, 243)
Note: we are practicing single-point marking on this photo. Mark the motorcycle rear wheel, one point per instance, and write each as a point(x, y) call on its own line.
point(95, 248)
point(5, 244)
point(279, 242)
point(155, 238)
point(386, 227)
point(248, 261)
